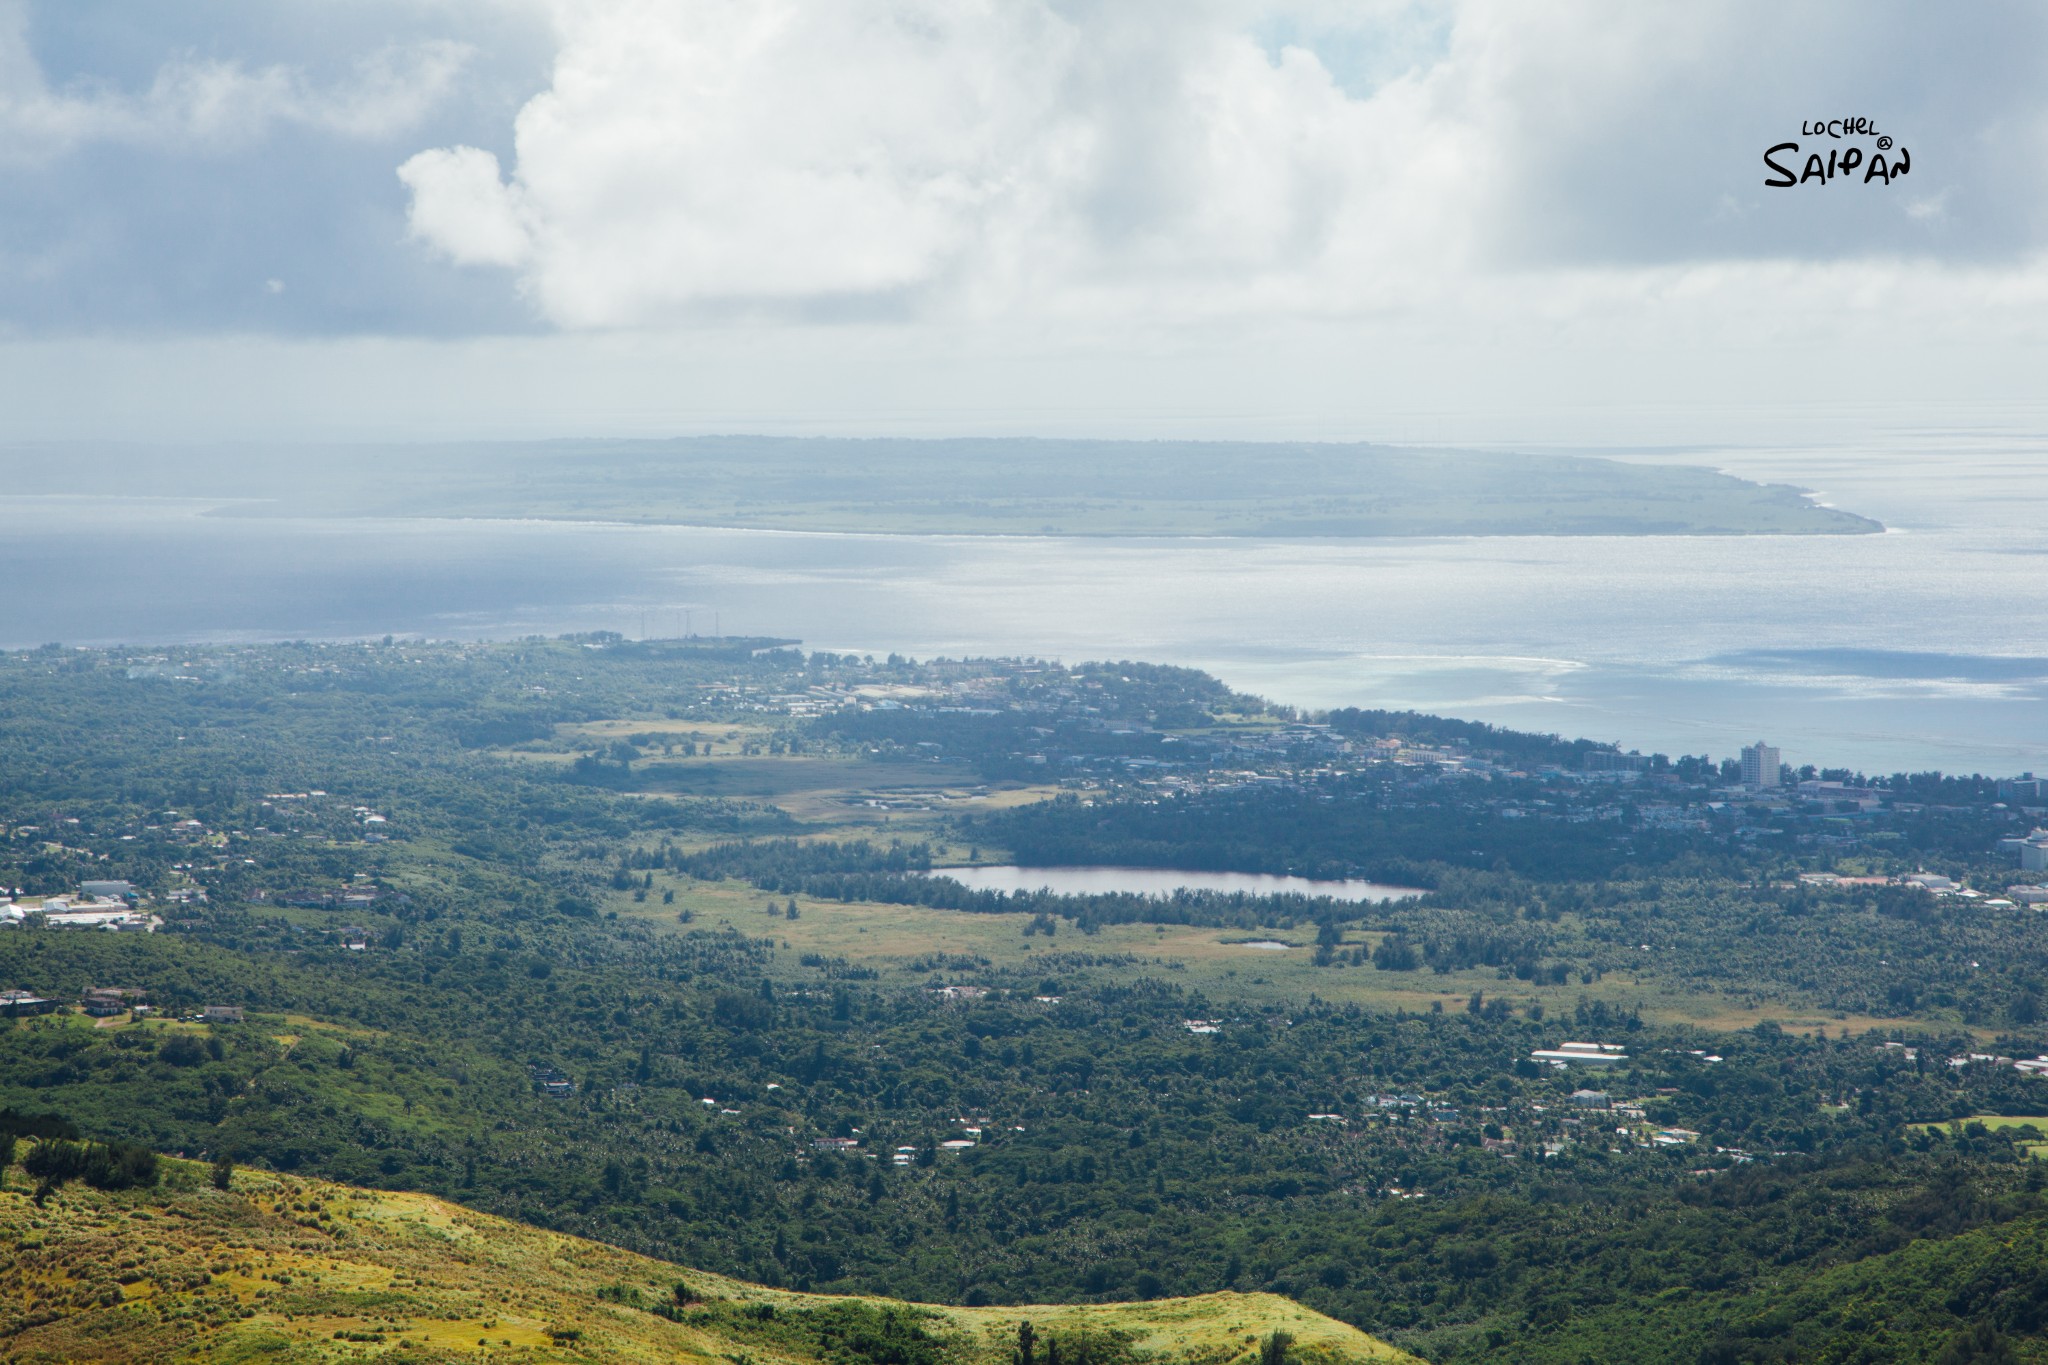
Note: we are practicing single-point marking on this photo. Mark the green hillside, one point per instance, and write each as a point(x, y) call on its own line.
point(283, 1269)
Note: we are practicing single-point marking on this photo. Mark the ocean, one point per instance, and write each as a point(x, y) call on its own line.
point(1925, 647)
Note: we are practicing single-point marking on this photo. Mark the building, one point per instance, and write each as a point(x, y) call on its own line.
point(1760, 766)
point(103, 1002)
point(551, 1082)
point(221, 1014)
point(19, 1004)
point(836, 1144)
point(59, 913)
point(1581, 1054)
point(1591, 1099)
point(1841, 794)
point(107, 890)
point(2025, 787)
point(2032, 850)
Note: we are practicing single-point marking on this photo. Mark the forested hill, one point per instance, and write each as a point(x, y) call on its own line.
point(495, 925)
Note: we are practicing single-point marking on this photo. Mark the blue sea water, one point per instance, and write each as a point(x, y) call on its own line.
point(1925, 647)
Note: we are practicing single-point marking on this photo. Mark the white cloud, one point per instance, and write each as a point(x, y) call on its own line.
point(929, 154)
point(197, 103)
point(1070, 159)
point(461, 206)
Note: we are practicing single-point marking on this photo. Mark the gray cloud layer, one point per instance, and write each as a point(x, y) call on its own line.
point(464, 167)
point(213, 166)
point(938, 158)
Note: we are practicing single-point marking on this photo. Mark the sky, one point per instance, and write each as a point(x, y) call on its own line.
point(1411, 220)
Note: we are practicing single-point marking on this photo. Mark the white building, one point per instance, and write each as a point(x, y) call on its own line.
point(1581, 1054)
point(1760, 766)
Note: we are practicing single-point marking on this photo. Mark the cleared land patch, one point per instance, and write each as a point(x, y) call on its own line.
point(908, 939)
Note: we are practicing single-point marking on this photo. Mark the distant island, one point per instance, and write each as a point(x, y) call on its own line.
point(982, 486)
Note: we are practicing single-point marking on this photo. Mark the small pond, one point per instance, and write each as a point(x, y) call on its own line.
point(1162, 881)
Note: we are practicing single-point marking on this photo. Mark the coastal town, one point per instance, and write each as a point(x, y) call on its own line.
point(943, 738)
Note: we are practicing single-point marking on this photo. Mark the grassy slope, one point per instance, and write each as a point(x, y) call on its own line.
point(274, 1269)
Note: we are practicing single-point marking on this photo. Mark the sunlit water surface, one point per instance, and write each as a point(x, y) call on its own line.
point(1926, 647)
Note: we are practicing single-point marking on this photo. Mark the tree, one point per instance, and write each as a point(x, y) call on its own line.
point(1983, 1344)
point(1396, 954)
point(1026, 1339)
point(223, 1170)
point(1273, 1350)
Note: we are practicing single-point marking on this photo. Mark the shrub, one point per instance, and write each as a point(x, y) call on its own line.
point(182, 1050)
point(102, 1165)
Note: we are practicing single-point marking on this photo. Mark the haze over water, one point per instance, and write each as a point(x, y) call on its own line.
point(1923, 648)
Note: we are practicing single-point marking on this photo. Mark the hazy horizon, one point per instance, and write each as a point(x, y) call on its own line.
point(1384, 220)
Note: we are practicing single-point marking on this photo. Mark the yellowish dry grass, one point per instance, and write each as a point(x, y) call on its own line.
point(288, 1270)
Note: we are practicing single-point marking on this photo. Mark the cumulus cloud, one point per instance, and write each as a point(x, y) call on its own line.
point(194, 103)
point(460, 204)
point(885, 155)
point(972, 158)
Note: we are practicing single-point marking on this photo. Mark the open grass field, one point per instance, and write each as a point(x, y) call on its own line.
point(850, 797)
point(724, 737)
point(1999, 1123)
point(783, 776)
point(288, 1270)
point(813, 788)
point(898, 938)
